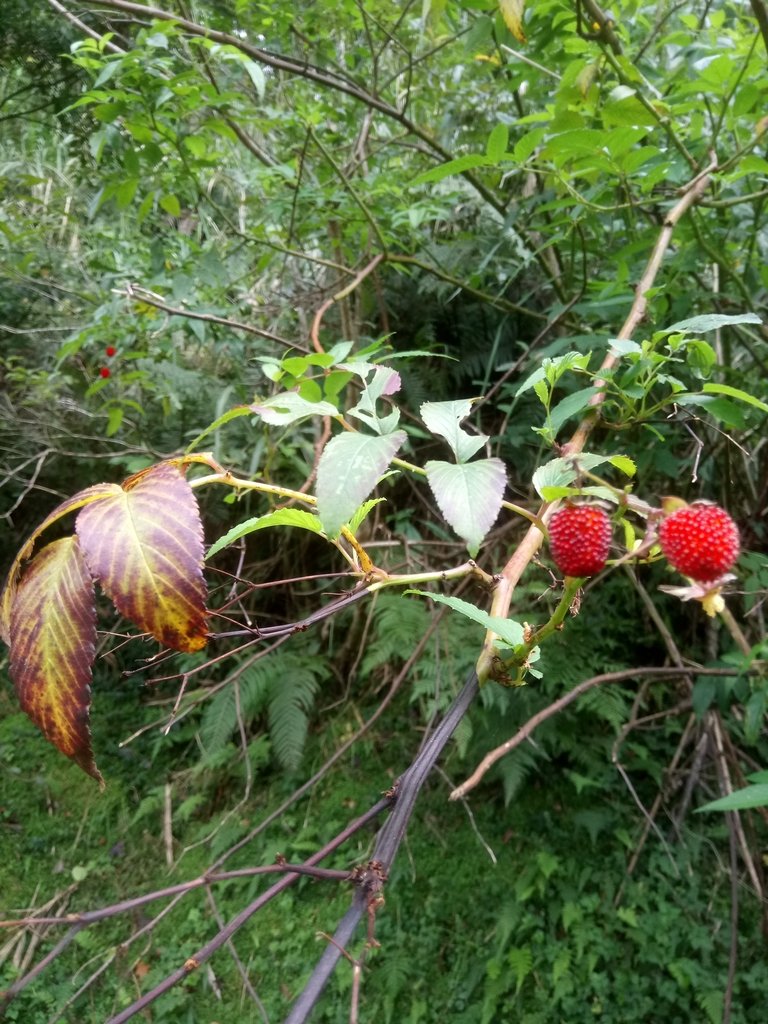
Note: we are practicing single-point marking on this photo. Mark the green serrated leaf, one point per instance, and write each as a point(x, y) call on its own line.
point(624, 464)
point(288, 407)
point(509, 631)
point(701, 357)
point(444, 418)
point(469, 495)
point(280, 517)
point(362, 513)
point(624, 347)
point(230, 414)
point(553, 369)
point(555, 493)
point(347, 473)
point(541, 388)
point(562, 472)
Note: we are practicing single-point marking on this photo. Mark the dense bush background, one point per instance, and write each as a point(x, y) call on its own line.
point(513, 191)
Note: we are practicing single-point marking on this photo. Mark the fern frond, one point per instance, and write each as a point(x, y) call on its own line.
point(521, 961)
point(609, 704)
point(399, 624)
point(712, 1004)
point(515, 768)
point(220, 719)
point(292, 698)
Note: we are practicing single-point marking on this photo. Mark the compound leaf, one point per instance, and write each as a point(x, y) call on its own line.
point(144, 545)
point(53, 644)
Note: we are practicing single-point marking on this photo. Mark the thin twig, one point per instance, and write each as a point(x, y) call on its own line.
point(136, 293)
point(536, 720)
point(192, 963)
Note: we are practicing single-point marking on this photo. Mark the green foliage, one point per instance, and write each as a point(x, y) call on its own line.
point(259, 226)
point(282, 687)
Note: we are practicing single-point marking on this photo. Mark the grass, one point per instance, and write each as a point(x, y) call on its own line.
point(541, 935)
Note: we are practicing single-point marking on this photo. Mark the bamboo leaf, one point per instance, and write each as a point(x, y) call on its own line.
point(53, 643)
point(741, 800)
point(144, 545)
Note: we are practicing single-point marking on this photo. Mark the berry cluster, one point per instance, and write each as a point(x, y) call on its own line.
point(105, 371)
point(700, 540)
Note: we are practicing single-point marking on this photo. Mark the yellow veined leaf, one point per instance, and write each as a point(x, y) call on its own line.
point(85, 497)
point(512, 13)
point(53, 643)
point(144, 546)
point(587, 77)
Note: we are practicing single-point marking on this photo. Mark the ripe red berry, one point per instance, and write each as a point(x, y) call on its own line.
point(701, 541)
point(105, 372)
point(579, 539)
point(111, 350)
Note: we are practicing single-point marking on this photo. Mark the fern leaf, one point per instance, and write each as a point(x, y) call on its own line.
point(219, 721)
point(251, 689)
point(293, 696)
point(712, 1004)
point(521, 961)
point(608, 704)
point(515, 768)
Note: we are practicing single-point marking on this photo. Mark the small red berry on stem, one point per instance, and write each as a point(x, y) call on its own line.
point(700, 540)
point(579, 539)
point(105, 372)
point(111, 350)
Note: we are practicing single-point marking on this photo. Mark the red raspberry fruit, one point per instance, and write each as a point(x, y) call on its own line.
point(579, 539)
point(105, 372)
point(111, 350)
point(701, 541)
